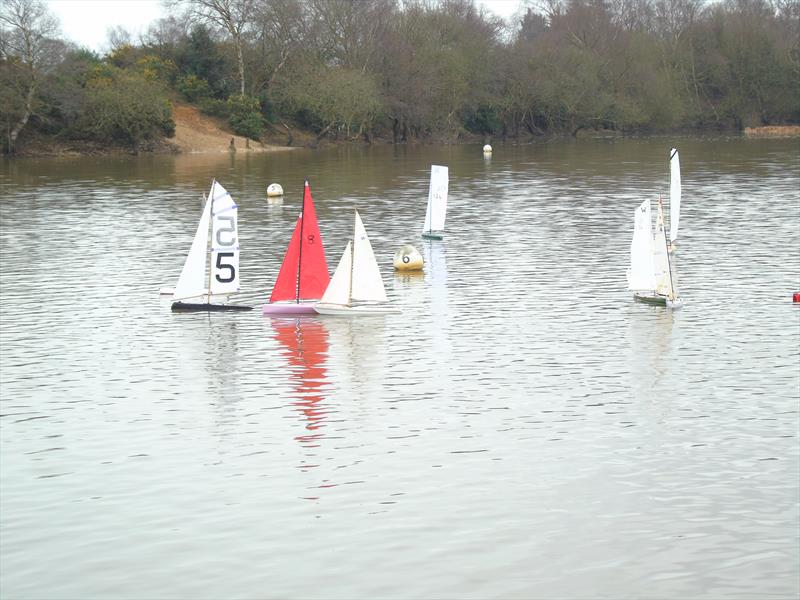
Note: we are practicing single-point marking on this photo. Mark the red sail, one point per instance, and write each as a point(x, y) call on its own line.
point(313, 268)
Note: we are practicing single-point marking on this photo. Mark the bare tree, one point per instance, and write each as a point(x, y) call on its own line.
point(234, 16)
point(27, 43)
point(282, 30)
point(350, 33)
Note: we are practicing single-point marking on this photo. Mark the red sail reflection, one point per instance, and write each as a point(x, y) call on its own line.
point(305, 346)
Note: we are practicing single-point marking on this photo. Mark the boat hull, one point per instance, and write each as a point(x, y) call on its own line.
point(205, 307)
point(657, 300)
point(361, 309)
point(289, 308)
point(432, 235)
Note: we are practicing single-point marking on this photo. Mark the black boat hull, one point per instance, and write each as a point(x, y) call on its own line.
point(196, 307)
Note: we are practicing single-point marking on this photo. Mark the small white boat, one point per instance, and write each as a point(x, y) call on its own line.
point(651, 274)
point(356, 287)
point(210, 274)
point(437, 204)
point(303, 276)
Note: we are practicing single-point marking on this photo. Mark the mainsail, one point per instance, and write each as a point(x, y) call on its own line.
point(437, 200)
point(641, 275)
point(674, 194)
point(224, 242)
point(305, 257)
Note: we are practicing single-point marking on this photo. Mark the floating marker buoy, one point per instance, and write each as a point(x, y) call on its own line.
point(796, 297)
point(408, 258)
point(274, 189)
point(487, 149)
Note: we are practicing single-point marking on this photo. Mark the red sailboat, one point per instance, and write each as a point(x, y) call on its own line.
point(303, 276)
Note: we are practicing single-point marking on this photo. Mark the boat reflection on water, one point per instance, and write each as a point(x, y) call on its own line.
point(304, 342)
point(650, 339)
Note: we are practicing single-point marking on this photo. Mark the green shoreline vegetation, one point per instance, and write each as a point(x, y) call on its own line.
point(404, 71)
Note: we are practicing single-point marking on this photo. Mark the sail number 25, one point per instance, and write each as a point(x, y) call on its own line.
point(225, 243)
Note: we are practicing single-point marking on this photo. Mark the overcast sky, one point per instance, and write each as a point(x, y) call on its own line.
point(87, 22)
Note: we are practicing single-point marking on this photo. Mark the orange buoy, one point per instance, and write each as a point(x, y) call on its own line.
point(796, 297)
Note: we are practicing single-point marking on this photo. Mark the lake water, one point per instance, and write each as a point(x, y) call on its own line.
point(521, 429)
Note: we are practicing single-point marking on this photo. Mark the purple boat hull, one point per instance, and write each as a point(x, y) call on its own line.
point(289, 308)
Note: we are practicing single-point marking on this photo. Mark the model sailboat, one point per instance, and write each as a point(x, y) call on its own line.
point(356, 287)
point(437, 204)
point(303, 276)
point(211, 271)
point(651, 276)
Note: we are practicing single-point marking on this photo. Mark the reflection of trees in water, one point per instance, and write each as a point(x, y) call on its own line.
point(304, 344)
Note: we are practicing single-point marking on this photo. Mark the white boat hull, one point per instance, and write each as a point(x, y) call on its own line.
point(289, 308)
point(354, 310)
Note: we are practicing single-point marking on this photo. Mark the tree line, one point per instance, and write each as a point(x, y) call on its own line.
point(401, 70)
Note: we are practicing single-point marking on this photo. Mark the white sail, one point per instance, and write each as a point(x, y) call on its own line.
point(224, 242)
point(367, 281)
point(660, 257)
point(192, 281)
point(338, 290)
point(641, 275)
point(674, 194)
point(437, 199)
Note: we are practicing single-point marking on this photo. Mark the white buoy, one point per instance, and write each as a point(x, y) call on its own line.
point(408, 258)
point(274, 189)
point(487, 149)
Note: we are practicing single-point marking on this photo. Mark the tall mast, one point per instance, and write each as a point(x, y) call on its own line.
point(352, 263)
point(300, 255)
point(211, 248)
point(666, 248)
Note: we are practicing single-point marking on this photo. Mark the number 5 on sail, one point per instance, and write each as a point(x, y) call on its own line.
point(211, 271)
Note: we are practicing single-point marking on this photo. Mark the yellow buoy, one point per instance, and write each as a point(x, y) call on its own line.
point(487, 149)
point(408, 258)
point(274, 189)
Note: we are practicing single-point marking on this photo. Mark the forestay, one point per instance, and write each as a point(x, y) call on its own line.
point(437, 199)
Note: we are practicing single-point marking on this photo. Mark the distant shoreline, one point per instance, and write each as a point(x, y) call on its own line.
point(196, 133)
point(773, 131)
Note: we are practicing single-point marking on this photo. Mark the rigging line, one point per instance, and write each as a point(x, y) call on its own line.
point(300, 253)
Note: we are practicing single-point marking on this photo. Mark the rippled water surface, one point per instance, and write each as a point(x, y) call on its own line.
point(521, 429)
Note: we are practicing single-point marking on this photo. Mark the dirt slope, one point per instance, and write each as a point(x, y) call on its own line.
point(196, 132)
